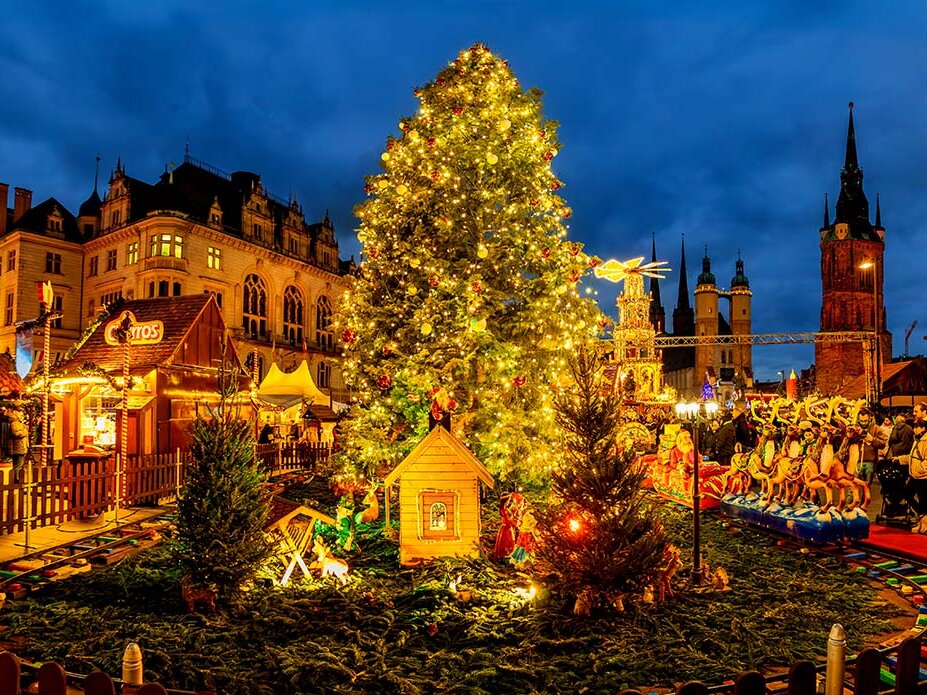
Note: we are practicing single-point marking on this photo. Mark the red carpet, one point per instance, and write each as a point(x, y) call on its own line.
point(898, 541)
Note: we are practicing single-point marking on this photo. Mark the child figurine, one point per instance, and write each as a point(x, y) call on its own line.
point(524, 544)
point(511, 507)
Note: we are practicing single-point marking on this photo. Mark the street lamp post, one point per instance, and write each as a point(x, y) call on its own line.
point(876, 347)
point(691, 412)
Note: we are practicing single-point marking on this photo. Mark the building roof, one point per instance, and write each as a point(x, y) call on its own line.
point(10, 381)
point(441, 437)
point(178, 315)
point(35, 220)
point(91, 206)
point(908, 377)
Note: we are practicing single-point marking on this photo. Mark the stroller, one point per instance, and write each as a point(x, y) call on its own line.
point(892, 479)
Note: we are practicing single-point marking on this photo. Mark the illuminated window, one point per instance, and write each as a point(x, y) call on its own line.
point(254, 307)
point(214, 258)
point(438, 517)
point(132, 253)
point(293, 315)
point(324, 337)
point(165, 244)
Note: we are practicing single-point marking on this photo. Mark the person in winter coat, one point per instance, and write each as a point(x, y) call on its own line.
point(916, 487)
point(19, 443)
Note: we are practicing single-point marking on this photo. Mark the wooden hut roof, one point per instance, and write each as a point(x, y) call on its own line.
point(440, 436)
point(10, 381)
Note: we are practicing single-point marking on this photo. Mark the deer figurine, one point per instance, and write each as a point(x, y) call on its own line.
point(330, 566)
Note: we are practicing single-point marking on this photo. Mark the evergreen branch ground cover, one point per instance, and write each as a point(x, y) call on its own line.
point(402, 631)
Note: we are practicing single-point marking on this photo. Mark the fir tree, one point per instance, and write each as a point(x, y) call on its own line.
point(600, 539)
point(223, 508)
point(468, 286)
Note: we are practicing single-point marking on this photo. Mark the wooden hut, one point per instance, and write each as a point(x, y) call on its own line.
point(439, 499)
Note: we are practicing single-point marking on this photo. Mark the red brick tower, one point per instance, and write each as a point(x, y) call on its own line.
point(852, 271)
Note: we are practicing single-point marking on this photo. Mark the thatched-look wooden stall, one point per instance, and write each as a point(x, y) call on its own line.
point(439, 499)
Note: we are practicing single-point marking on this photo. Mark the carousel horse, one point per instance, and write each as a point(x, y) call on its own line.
point(842, 471)
point(813, 481)
point(787, 467)
point(759, 463)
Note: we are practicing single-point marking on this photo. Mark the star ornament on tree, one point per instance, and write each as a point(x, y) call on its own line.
point(616, 271)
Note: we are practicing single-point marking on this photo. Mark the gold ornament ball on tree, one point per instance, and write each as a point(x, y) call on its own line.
point(477, 325)
point(505, 124)
point(482, 251)
point(426, 329)
point(401, 189)
point(492, 158)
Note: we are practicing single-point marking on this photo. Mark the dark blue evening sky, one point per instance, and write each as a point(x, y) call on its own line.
point(723, 121)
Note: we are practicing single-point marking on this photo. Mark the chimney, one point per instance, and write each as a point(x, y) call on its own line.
point(4, 196)
point(22, 201)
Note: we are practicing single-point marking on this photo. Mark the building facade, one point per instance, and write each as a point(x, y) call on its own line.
point(852, 272)
point(276, 277)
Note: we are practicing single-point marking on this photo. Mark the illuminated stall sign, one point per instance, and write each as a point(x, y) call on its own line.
point(140, 333)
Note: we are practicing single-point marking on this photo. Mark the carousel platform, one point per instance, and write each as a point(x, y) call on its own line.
point(901, 542)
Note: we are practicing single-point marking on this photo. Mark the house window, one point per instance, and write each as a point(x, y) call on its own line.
point(9, 309)
point(437, 517)
point(94, 268)
point(165, 245)
point(258, 232)
point(214, 258)
point(254, 307)
point(294, 245)
point(109, 298)
point(132, 253)
point(115, 218)
point(293, 315)
point(324, 375)
point(111, 259)
point(177, 289)
point(217, 295)
point(257, 372)
point(57, 308)
point(324, 337)
point(53, 263)
point(437, 509)
point(11, 260)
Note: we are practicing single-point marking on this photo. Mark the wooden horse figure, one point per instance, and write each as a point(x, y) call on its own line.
point(672, 564)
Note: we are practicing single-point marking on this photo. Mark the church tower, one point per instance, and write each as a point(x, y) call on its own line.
point(706, 321)
point(852, 271)
point(683, 316)
point(741, 356)
point(657, 312)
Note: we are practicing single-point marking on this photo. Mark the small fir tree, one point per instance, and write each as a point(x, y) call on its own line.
point(601, 540)
point(468, 286)
point(223, 508)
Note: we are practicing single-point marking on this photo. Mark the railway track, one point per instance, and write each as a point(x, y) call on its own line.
point(23, 574)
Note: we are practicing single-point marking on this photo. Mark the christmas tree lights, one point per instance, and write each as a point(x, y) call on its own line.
point(468, 282)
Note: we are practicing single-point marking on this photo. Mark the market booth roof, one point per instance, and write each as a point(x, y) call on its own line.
point(286, 389)
point(10, 381)
point(161, 335)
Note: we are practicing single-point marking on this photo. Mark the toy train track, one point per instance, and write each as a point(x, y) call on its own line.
point(23, 574)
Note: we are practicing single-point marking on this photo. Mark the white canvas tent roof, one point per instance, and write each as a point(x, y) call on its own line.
point(287, 389)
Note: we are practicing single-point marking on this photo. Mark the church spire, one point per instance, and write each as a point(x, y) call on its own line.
point(852, 206)
point(96, 176)
point(878, 222)
point(850, 161)
point(682, 298)
point(826, 214)
point(657, 312)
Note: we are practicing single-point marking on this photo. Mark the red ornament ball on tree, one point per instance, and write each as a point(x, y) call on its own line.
point(458, 110)
point(433, 281)
point(349, 336)
point(385, 382)
point(519, 381)
point(545, 252)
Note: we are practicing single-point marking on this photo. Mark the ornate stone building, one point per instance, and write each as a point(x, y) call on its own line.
point(852, 271)
point(195, 230)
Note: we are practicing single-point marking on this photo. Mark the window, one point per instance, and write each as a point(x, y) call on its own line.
point(91, 305)
point(166, 244)
point(254, 307)
point(324, 376)
point(94, 267)
point(54, 224)
point(111, 259)
point(110, 297)
point(53, 263)
point(132, 253)
point(256, 372)
point(294, 245)
point(438, 517)
point(293, 315)
point(258, 232)
point(57, 308)
point(214, 258)
point(163, 287)
point(88, 230)
point(11, 260)
point(324, 337)
point(9, 309)
point(177, 289)
point(115, 218)
point(217, 295)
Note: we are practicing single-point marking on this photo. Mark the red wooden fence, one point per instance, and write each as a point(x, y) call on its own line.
point(800, 680)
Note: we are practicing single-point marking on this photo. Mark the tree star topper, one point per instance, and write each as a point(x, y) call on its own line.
point(616, 271)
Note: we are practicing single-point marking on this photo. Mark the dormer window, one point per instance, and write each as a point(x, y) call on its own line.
point(115, 218)
point(258, 232)
point(54, 224)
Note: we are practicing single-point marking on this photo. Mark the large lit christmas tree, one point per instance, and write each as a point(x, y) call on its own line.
point(468, 295)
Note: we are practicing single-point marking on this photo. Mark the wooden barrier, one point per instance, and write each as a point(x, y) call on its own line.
point(800, 680)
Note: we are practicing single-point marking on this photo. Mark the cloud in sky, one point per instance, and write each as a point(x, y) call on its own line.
point(722, 121)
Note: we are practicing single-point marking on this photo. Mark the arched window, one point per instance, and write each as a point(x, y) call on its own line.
point(324, 376)
point(438, 517)
point(254, 307)
point(249, 365)
point(293, 315)
point(324, 337)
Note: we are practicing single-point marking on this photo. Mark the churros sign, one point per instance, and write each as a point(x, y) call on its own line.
point(140, 333)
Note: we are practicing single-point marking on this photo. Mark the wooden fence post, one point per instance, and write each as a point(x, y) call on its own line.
point(9, 673)
point(803, 678)
point(152, 689)
point(750, 683)
point(178, 470)
point(98, 683)
point(692, 688)
point(908, 668)
point(52, 680)
point(866, 675)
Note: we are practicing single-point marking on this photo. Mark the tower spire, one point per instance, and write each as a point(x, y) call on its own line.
point(878, 221)
point(852, 206)
point(96, 175)
point(850, 161)
point(826, 213)
point(682, 298)
point(657, 312)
